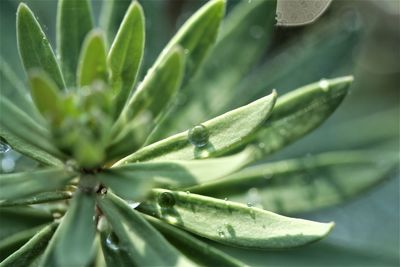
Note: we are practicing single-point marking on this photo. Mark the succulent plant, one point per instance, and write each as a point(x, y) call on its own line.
point(115, 191)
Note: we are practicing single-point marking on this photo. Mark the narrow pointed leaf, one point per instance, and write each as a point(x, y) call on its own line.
point(29, 252)
point(301, 111)
point(29, 150)
point(74, 21)
point(145, 245)
point(16, 123)
point(179, 173)
point(12, 88)
point(44, 94)
point(245, 35)
point(23, 184)
point(197, 35)
point(12, 243)
point(126, 54)
point(92, 64)
point(111, 16)
point(226, 132)
point(37, 199)
point(148, 102)
point(200, 252)
point(34, 48)
point(72, 242)
point(232, 223)
point(304, 184)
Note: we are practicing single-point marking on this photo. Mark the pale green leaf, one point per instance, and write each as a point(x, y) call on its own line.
point(31, 250)
point(245, 35)
point(226, 132)
point(197, 35)
point(304, 184)
point(15, 123)
point(72, 242)
point(37, 199)
point(126, 54)
point(74, 21)
point(301, 111)
point(112, 13)
point(232, 223)
point(179, 173)
point(92, 64)
point(144, 245)
point(23, 184)
point(202, 253)
point(147, 103)
point(28, 150)
point(34, 48)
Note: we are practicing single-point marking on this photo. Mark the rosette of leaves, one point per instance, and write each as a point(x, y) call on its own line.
point(110, 193)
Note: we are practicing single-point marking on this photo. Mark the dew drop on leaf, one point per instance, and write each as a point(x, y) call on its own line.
point(324, 84)
point(133, 204)
point(166, 200)
point(7, 164)
point(4, 148)
point(220, 233)
point(198, 136)
point(112, 242)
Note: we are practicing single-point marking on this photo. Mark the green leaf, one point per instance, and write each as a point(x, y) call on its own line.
point(34, 48)
point(18, 219)
point(45, 94)
point(37, 199)
point(226, 132)
point(144, 245)
point(126, 54)
point(13, 88)
point(92, 64)
point(72, 242)
point(29, 252)
point(74, 21)
point(245, 35)
point(304, 184)
point(112, 13)
point(232, 223)
point(201, 252)
point(197, 35)
point(301, 111)
point(12, 243)
point(148, 102)
point(23, 184)
point(29, 150)
point(179, 173)
point(15, 123)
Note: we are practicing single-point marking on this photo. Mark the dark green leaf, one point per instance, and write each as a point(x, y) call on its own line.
point(37, 199)
point(18, 126)
point(179, 173)
point(72, 242)
point(232, 223)
point(304, 184)
point(31, 250)
point(144, 245)
point(192, 247)
point(126, 54)
point(225, 133)
point(301, 111)
point(23, 184)
point(92, 64)
point(34, 48)
point(74, 21)
point(147, 103)
point(112, 13)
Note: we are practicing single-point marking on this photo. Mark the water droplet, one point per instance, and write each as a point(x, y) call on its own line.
point(324, 84)
point(112, 242)
point(166, 200)
point(220, 233)
point(261, 145)
point(249, 204)
point(198, 136)
point(256, 32)
point(133, 204)
point(4, 148)
point(7, 164)
point(187, 192)
point(226, 199)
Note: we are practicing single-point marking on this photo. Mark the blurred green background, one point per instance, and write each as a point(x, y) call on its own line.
point(353, 37)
